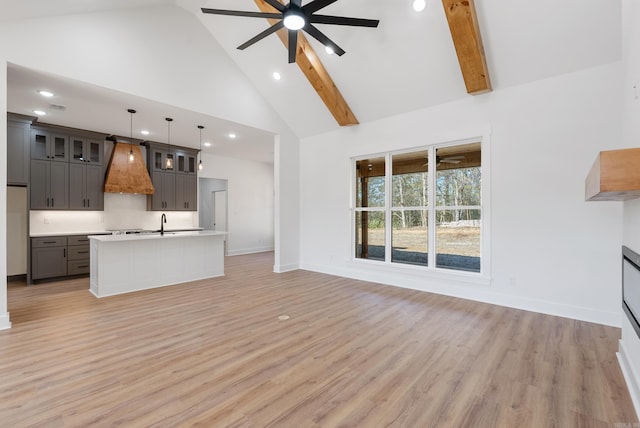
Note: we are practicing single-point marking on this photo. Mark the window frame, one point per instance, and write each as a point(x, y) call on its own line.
point(482, 277)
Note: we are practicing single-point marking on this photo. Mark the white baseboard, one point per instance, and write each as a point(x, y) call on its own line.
point(4, 321)
point(286, 268)
point(243, 251)
point(455, 288)
point(630, 376)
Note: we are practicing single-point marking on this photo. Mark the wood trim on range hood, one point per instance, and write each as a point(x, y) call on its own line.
point(124, 176)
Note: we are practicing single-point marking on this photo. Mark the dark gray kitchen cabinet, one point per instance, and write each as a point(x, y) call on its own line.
point(157, 157)
point(86, 151)
point(49, 185)
point(18, 134)
point(186, 198)
point(86, 187)
point(164, 197)
point(48, 145)
point(78, 255)
point(48, 257)
point(186, 161)
point(175, 188)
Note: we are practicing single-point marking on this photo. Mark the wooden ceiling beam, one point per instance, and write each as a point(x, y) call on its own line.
point(318, 76)
point(463, 24)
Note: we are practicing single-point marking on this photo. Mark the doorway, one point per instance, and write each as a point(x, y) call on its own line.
point(213, 205)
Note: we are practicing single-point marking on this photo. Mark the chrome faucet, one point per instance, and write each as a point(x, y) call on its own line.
point(163, 220)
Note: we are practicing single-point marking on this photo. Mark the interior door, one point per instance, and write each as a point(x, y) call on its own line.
point(219, 217)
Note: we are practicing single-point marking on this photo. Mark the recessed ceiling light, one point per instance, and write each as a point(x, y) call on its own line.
point(276, 75)
point(232, 135)
point(46, 94)
point(329, 50)
point(419, 5)
point(207, 144)
point(40, 112)
point(144, 132)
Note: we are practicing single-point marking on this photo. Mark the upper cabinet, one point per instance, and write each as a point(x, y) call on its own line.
point(66, 169)
point(185, 161)
point(18, 134)
point(176, 187)
point(86, 150)
point(48, 145)
point(615, 176)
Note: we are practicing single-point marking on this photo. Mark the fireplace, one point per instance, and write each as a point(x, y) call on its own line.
point(631, 287)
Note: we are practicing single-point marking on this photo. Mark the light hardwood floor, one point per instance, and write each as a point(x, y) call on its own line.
point(214, 353)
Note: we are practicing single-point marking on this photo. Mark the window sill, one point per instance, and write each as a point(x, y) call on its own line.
point(413, 271)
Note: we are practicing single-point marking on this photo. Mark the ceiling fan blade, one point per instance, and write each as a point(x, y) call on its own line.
point(316, 5)
point(322, 38)
point(242, 13)
point(275, 27)
point(343, 20)
point(293, 45)
point(276, 5)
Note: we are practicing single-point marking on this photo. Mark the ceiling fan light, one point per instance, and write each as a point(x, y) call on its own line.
point(419, 5)
point(329, 50)
point(294, 20)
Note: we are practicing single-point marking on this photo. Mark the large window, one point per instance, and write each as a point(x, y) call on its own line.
point(399, 195)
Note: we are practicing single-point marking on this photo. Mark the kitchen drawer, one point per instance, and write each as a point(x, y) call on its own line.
point(51, 241)
point(78, 240)
point(78, 252)
point(77, 267)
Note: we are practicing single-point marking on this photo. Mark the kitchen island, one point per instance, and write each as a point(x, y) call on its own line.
point(126, 263)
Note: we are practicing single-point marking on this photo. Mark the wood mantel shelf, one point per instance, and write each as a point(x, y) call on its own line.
point(614, 176)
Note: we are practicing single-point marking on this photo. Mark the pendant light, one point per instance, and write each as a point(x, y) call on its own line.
point(131, 155)
point(200, 166)
point(169, 163)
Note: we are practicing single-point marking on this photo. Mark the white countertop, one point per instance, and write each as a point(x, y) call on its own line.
point(101, 232)
point(155, 235)
point(93, 232)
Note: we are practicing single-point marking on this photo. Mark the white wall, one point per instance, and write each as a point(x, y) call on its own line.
point(16, 230)
point(250, 202)
point(629, 350)
point(4, 314)
point(170, 58)
point(551, 251)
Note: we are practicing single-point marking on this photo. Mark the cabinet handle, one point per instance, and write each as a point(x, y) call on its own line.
point(82, 252)
point(88, 203)
point(48, 242)
point(52, 203)
point(47, 202)
point(84, 201)
point(64, 252)
point(84, 266)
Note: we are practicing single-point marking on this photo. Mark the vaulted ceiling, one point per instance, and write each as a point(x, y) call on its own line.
point(409, 62)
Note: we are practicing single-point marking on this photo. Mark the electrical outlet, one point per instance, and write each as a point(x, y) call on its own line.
point(46, 220)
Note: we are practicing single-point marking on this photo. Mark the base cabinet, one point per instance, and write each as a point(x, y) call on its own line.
point(56, 256)
point(48, 257)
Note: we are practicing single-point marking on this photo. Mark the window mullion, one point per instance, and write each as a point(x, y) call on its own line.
point(431, 213)
point(387, 201)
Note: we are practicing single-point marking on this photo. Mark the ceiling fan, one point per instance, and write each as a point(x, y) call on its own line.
point(296, 17)
point(447, 159)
